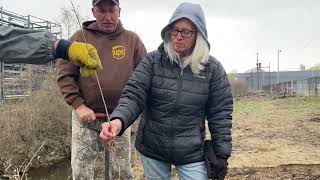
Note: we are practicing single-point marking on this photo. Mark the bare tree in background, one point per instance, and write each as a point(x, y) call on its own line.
point(238, 87)
point(69, 21)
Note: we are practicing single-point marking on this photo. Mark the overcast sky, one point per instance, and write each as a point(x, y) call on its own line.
point(237, 29)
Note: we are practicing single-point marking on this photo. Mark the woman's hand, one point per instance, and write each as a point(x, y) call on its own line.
point(110, 130)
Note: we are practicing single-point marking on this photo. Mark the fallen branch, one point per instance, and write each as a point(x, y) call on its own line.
point(26, 168)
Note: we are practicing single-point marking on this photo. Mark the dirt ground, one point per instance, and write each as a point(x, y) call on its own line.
point(276, 138)
point(273, 138)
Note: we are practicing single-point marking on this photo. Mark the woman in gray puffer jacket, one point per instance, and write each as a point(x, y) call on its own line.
point(176, 88)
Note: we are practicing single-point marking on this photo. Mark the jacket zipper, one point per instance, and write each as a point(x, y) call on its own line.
point(176, 105)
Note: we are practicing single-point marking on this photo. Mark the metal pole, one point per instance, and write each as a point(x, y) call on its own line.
point(278, 77)
point(1, 15)
point(1, 82)
point(251, 80)
point(269, 75)
point(107, 165)
point(258, 70)
point(262, 83)
point(269, 79)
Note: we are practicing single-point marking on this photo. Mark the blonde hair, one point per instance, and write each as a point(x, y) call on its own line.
point(197, 59)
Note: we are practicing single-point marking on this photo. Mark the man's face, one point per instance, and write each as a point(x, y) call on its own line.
point(107, 16)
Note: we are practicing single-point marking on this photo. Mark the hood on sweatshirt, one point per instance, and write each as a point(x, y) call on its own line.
point(92, 26)
point(191, 11)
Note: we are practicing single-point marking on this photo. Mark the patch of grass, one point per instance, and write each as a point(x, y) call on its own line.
point(266, 106)
point(308, 102)
point(251, 106)
point(298, 104)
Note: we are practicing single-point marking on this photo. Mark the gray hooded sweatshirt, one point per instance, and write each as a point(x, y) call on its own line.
point(194, 13)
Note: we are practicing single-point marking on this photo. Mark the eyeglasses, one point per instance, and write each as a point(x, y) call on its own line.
point(184, 33)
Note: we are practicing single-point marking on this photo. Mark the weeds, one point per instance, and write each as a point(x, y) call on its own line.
point(27, 123)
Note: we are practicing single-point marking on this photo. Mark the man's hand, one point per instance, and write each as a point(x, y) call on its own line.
point(85, 114)
point(110, 129)
point(86, 56)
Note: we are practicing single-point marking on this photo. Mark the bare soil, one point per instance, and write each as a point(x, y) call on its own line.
point(276, 138)
point(273, 138)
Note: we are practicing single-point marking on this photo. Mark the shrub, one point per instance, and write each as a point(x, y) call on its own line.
point(26, 124)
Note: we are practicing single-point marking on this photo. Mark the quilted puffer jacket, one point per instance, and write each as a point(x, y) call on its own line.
point(175, 103)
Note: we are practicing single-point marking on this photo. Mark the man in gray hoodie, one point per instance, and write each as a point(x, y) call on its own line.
point(176, 88)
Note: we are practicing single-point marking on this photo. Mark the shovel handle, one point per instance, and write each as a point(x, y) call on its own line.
point(101, 116)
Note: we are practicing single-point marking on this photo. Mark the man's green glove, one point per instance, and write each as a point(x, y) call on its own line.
point(84, 55)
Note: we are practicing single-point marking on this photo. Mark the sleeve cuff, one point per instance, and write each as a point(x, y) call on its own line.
point(117, 115)
point(62, 49)
point(77, 102)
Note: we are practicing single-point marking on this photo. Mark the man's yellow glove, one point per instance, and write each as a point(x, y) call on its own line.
point(87, 72)
point(81, 54)
point(86, 56)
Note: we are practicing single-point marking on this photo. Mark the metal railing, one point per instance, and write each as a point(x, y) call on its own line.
point(306, 87)
point(30, 22)
point(16, 79)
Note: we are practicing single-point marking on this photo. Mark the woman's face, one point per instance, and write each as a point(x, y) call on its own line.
point(183, 37)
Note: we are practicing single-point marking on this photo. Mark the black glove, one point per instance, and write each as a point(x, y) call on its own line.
point(217, 167)
point(220, 168)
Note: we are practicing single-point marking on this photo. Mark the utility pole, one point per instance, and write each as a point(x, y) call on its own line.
point(261, 69)
point(251, 80)
point(258, 68)
point(269, 74)
point(278, 77)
